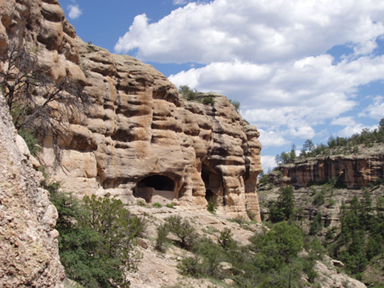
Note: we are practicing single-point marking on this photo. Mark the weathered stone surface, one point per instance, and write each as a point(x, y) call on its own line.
point(355, 170)
point(137, 125)
point(28, 242)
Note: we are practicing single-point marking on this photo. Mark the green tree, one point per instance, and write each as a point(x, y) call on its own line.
point(308, 145)
point(316, 224)
point(281, 244)
point(188, 93)
point(284, 207)
point(96, 239)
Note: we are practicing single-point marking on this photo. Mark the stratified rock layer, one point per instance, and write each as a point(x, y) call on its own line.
point(354, 171)
point(137, 132)
point(28, 242)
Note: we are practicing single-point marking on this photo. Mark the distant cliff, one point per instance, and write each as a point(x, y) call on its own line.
point(137, 132)
point(353, 171)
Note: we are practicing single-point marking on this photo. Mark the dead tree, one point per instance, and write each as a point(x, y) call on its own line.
point(38, 103)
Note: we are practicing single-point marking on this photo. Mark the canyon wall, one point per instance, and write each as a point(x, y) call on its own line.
point(136, 131)
point(353, 171)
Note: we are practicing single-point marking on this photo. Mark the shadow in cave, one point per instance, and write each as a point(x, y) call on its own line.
point(157, 186)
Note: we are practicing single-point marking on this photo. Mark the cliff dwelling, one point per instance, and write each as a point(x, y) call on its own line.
point(212, 182)
point(155, 188)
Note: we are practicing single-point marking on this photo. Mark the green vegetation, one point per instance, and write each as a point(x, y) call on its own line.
point(362, 234)
point(235, 103)
point(358, 243)
point(270, 260)
point(335, 146)
point(170, 205)
point(284, 208)
point(156, 205)
point(97, 237)
point(212, 206)
point(30, 140)
point(194, 95)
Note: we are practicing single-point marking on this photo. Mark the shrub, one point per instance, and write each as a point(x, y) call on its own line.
point(318, 199)
point(235, 103)
point(238, 219)
point(212, 206)
point(170, 205)
point(208, 101)
point(161, 240)
point(189, 266)
point(30, 140)
point(141, 203)
point(188, 93)
point(182, 229)
point(264, 179)
point(316, 224)
point(225, 239)
point(157, 205)
point(96, 238)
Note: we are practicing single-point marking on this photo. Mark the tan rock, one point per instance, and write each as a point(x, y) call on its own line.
point(28, 244)
point(354, 170)
point(137, 130)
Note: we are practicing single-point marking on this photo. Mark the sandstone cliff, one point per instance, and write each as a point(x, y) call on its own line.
point(28, 242)
point(353, 171)
point(138, 136)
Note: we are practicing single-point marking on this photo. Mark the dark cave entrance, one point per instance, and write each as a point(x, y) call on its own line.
point(208, 195)
point(213, 184)
point(155, 188)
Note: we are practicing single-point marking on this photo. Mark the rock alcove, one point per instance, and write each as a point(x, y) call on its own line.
point(155, 188)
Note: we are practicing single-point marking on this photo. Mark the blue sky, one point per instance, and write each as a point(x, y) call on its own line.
point(301, 69)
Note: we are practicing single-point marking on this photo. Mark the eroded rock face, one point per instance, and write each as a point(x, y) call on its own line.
point(137, 125)
point(28, 241)
point(354, 171)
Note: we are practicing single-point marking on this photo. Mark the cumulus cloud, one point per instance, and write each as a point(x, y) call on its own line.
point(376, 109)
point(296, 95)
point(74, 11)
point(354, 129)
point(344, 121)
point(268, 163)
point(271, 138)
point(258, 31)
point(271, 56)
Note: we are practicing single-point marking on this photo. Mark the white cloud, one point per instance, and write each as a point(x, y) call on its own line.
point(74, 11)
point(179, 2)
point(268, 163)
point(344, 121)
point(271, 138)
point(296, 94)
point(375, 110)
point(257, 31)
point(271, 57)
point(354, 129)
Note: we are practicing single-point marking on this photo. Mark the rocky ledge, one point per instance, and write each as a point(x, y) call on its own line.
point(138, 137)
point(353, 170)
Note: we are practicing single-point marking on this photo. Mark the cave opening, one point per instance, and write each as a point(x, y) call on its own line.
point(156, 188)
point(213, 184)
point(208, 195)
